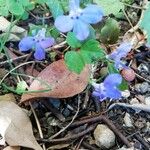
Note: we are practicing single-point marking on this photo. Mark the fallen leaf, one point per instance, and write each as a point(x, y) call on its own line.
point(61, 82)
point(12, 148)
point(15, 126)
point(16, 32)
point(8, 97)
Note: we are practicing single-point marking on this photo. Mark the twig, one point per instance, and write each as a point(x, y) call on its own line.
point(12, 60)
point(141, 140)
point(63, 129)
point(137, 7)
point(69, 138)
point(88, 146)
point(15, 69)
point(142, 78)
point(38, 124)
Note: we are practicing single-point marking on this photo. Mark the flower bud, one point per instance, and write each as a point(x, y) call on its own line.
point(128, 74)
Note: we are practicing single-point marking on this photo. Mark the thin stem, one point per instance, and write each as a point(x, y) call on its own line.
point(38, 124)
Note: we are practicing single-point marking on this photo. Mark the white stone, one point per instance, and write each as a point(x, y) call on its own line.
point(147, 100)
point(104, 137)
point(127, 120)
point(125, 93)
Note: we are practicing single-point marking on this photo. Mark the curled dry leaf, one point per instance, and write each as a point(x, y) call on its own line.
point(15, 126)
point(12, 148)
point(61, 82)
point(16, 32)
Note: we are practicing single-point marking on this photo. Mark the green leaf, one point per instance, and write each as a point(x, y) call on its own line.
point(15, 7)
point(21, 87)
point(145, 22)
point(55, 8)
point(123, 86)
point(111, 68)
point(54, 32)
point(110, 6)
point(110, 32)
point(74, 61)
point(91, 50)
point(72, 40)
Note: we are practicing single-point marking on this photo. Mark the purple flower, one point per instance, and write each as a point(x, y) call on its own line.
point(38, 42)
point(108, 88)
point(79, 19)
point(119, 53)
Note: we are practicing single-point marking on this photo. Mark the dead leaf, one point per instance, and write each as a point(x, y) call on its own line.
point(12, 148)
point(8, 97)
point(16, 32)
point(63, 83)
point(15, 126)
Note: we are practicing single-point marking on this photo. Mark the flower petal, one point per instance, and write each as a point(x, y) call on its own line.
point(26, 43)
point(74, 5)
point(92, 14)
point(112, 80)
point(81, 29)
point(113, 93)
point(64, 23)
point(121, 51)
point(47, 42)
point(39, 52)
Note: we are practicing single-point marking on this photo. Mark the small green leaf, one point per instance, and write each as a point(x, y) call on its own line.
point(123, 86)
point(110, 6)
point(21, 87)
point(145, 23)
point(110, 32)
point(91, 50)
point(111, 68)
point(15, 7)
point(74, 61)
point(55, 8)
point(72, 40)
point(54, 32)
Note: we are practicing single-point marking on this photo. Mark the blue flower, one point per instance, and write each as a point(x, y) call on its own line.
point(108, 88)
point(119, 53)
point(38, 42)
point(79, 19)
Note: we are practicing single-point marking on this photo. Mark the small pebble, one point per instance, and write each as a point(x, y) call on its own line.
point(142, 88)
point(143, 68)
point(147, 100)
point(134, 101)
point(127, 120)
point(104, 137)
point(125, 93)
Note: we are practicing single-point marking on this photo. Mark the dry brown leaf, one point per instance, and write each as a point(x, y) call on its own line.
point(15, 33)
point(12, 148)
point(63, 83)
point(8, 97)
point(15, 126)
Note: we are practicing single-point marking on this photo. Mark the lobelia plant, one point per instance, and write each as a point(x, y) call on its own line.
point(119, 53)
point(108, 88)
point(38, 42)
point(79, 19)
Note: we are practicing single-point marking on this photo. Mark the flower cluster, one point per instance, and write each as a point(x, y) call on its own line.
point(38, 42)
point(79, 19)
point(108, 88)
